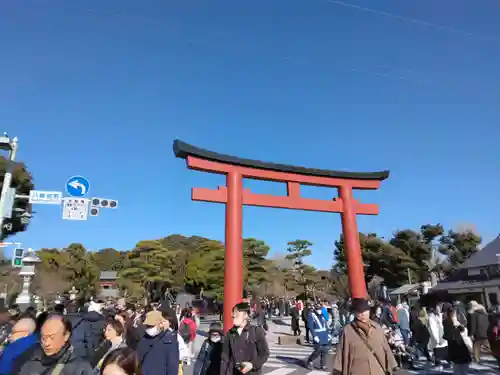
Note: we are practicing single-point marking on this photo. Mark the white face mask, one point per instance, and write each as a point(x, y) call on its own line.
point(319, 312)
point(152, 331)
point(215, 339)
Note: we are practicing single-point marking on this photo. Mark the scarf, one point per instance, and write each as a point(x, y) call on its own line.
point(62, 356)
point(364, 327)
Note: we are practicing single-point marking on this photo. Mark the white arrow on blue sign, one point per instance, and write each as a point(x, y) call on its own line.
point(77, 186)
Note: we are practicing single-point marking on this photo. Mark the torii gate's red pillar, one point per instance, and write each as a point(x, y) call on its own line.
point(235, 197)
point(355, 266)
point(233, 262)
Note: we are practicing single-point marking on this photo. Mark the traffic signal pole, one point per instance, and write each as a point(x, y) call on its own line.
point(11, 146)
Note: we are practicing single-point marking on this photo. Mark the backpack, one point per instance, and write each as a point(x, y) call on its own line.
point(394, 314)
point(185, 332)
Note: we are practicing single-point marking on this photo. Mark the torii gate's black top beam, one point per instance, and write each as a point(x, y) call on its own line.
point(183, 150)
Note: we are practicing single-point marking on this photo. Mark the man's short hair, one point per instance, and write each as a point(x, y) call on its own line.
point(243, 306)
point(65, 321)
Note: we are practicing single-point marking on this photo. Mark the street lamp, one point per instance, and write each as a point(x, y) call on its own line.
point(9, 145)
point(27, 272)
point(5, 143)
point(72, 293)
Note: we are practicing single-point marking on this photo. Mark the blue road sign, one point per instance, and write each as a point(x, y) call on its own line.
point(77, 186)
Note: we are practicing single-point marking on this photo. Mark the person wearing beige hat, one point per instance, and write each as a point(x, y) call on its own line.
point(158, 349)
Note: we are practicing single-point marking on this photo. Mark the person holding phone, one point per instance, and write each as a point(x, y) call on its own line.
point(245, 348)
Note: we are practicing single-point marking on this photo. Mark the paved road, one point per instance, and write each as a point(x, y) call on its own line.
point(289, 359)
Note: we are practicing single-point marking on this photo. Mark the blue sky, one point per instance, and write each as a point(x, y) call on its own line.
point(102, 88)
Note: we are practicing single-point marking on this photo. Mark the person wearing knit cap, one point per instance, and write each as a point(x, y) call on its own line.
point(209, 356)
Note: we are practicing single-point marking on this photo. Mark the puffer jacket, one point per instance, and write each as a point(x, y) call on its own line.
point(87, 335)
point(478, 322)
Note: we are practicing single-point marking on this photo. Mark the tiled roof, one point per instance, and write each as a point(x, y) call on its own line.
point(108, 275)
point(487, 256)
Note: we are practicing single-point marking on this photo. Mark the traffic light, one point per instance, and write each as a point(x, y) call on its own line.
point(94, 211)
point(104, 203)
point(17, 259)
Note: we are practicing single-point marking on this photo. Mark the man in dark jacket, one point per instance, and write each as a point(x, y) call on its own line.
point(478, 323)
point(305, 318)
point(55, 353)
point(158, 349)
point(295, 313)
point(245, 348)
point(87, 329)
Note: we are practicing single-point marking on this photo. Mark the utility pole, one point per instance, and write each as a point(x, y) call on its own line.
point(9, 145)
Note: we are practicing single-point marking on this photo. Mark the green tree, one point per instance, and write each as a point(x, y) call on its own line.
point(413, 245)
point(305, 275)
point(421, 248)
point(339, 285)
point(22, 181)
point(457, 246)
point(109, 259)
point(255, 265)
point(151, 266)
point(380, 258)
point(184, 248)
point(206, 268)
point(80, 271)
point(53, 260)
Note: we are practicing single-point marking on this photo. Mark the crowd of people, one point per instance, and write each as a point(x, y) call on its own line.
point(111, 339)
point(383, 335)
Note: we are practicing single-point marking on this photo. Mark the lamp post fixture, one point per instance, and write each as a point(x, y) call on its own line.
point(9, 145)
point(72, 293)
point(24, 299)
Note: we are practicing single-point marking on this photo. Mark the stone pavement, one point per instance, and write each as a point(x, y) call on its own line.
point(288, 359)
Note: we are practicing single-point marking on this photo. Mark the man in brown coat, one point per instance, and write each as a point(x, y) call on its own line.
point(363, 348)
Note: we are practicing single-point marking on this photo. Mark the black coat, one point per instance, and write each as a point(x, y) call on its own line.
point(478, 324)
point(88, 333)
point(39, 363)
point(295, 318)
point(209, 359)
point(457, 350)
point(420, 333)
point(251, 346)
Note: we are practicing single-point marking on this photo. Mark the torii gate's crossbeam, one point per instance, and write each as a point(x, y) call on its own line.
point(234, 196)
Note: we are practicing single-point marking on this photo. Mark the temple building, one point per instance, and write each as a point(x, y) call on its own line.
point(478, 278)
point(109, 285)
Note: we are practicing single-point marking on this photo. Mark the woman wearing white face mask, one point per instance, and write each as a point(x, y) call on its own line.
point(209, 357)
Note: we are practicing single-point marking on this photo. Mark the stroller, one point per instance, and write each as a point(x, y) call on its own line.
point(405, 356)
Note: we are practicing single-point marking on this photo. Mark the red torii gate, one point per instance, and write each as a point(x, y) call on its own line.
point(234, 196)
